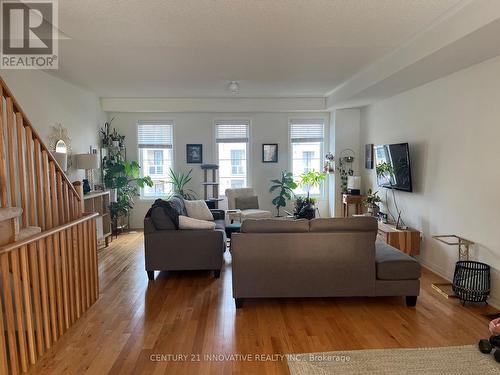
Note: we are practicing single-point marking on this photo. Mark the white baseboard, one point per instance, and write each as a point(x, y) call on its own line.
point(492, 301)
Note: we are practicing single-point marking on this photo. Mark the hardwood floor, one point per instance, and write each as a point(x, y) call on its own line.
point(191, 313)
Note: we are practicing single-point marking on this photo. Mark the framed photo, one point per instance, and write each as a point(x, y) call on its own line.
point(194, 153)
point(270, 153)
point(369, 156)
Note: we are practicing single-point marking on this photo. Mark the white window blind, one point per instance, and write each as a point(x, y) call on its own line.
point(158, 134)
point(231, 131)
point(303, 130)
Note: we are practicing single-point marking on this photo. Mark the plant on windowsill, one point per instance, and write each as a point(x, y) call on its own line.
point(125, 178)
point(310, 180)
point(179, 180)
point(285, 187)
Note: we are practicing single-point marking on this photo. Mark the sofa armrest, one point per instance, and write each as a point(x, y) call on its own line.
point(149, 227)
point(218, 214)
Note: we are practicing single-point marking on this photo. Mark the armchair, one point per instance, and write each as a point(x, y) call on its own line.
point(246, 213)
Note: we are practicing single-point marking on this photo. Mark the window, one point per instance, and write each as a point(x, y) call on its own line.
point(231, 137)
point(156, 167)
point(308, 157)
point(237, 159)
point(155, 143)
point(306, 138)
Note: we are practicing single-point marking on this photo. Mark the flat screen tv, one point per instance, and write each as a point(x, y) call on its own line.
point(394, 161)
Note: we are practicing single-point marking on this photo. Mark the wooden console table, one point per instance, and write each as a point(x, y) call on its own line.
point(406, 240)
point(352, 199)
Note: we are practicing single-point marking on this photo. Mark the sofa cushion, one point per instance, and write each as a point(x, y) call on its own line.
point(254, 214)
point(392, 264)
point(186, 222)
point(348, 224)
point(274, 226)
point(198, 210)
point(247, 203)
point(220, 224)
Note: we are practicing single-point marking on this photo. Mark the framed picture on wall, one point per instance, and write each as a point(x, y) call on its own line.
point(270, 153)
point(369, 156)
point(194, 153)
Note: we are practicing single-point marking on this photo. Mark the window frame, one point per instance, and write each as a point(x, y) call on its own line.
point(142, 197)
point(323, 146)
point(248, 163)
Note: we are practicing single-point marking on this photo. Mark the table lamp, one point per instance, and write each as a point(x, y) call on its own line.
point(354, 185)
point(89, 162)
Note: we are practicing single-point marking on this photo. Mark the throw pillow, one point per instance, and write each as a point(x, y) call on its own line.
point(191, 224)
point(198, 210)
point(247, 203)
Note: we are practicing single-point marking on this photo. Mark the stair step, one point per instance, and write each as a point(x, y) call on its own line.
point(27, 232)
point(7, 213)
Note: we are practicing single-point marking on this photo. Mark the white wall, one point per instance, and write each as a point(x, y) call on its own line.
point(453, 127)
point(48, 100)
point(199, 128)
point(346, 128)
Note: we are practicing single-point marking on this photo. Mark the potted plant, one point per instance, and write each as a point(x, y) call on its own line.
point(106, 140)
point(285, 187)
point(303, 205)
point(115, 138)
point(125, 178)
point(179, 180)
point(371, 201)
point(310, 180)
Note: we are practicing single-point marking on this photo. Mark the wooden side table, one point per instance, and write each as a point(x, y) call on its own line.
point(352, 199)
point(406, 240)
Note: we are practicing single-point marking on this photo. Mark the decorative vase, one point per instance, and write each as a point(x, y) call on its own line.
point(373, 209)
point(86, 186)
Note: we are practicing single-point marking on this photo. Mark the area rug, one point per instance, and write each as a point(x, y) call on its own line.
point(443, 361)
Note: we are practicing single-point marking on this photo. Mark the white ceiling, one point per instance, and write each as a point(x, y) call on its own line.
point(192, 48)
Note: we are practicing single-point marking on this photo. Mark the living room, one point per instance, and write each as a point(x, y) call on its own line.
point(337, 213)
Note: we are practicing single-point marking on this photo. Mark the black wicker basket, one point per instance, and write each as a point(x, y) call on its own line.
point(471, 282)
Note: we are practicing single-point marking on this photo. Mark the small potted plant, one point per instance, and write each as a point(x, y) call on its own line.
point(106, 136)
point(371, 201)
point(115, 138)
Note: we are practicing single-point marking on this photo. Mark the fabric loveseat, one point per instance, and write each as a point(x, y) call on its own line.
point(337, 257)
point(167, 248)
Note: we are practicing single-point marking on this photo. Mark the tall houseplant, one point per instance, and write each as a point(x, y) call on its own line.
point(125, 178)
point(179, 180)
point(309, 180)
point(285, 187)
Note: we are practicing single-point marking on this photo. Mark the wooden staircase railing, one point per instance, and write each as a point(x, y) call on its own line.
point(30, 176)
point(47, 282)
point(48, 276)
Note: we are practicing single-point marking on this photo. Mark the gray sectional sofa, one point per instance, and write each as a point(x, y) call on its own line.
point(167, 248)
point(319, 258)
